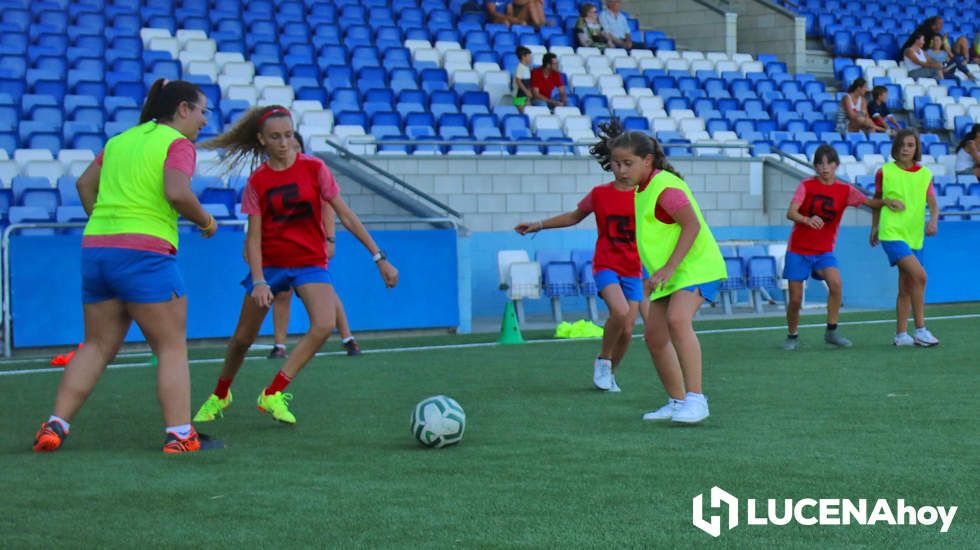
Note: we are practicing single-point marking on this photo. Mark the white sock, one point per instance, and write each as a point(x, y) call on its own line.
point(694, 395)
point(64, 423)
point(348, 339)
point(183, 431)
point(283, 346)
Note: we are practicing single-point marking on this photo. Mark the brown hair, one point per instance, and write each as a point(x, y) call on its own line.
point(241, 141)
point(613, 136)
point(900, 137)
point(165, 96)
point(827, 153)
point(858, 82)
point(877, 91)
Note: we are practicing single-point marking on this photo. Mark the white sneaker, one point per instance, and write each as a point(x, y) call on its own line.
point(925, 338)
point(602, 374)
point(665, 412)
point(694, 409)
point(904, 339)
point(613, 387)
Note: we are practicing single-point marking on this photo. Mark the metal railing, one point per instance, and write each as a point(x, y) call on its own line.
point(393, 182)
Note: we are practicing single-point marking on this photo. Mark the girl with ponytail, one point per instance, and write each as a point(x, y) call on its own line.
point(284, 200)
point(685, 264)
point(615, 263)
point(133, 193)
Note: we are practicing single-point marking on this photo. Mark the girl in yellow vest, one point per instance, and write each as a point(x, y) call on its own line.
point(685, 266)
point(907, 187)
point(133, 193)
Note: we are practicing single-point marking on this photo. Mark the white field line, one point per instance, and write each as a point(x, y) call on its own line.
point(144, 364)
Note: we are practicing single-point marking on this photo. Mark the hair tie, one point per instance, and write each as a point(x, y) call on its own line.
point(276, 111)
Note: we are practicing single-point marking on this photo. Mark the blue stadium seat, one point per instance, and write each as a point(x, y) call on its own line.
point(93, 141)
point(761, 272)
point(638, 123)
point(734, 266)
point(351, 118)
point(45, 198)
point(200, 183)
point(378, 99)
point(932, 117)
point(67, 191)
point(219, 195)
point(434, 79)
point(484, 123)
point(515, 126)
point(6, 201)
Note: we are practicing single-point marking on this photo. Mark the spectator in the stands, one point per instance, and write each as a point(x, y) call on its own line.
point(521, 86)
point(918, 63)
point(545, 80)
point(588, 30)
point(949, 66)
point(879, 112)
point(498, 12)
point(852, 115)
point(528, 12)
point(933, 26)
point(959, 50)
point(968, 153)
point(616, 24)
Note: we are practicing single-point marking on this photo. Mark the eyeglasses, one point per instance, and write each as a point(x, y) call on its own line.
point(204, 110)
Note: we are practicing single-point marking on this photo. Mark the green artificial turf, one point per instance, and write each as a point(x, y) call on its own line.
point(546, 461)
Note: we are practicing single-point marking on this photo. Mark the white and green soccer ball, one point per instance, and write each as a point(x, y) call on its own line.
point(438, 421)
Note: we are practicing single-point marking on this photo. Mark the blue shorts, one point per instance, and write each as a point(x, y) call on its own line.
point(129, 275)
point(897, 250)
point(708, 290)
point(632, 286)
point(285, 278)
point(800, 267)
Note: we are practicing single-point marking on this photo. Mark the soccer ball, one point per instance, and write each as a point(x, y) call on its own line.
point(438, 421)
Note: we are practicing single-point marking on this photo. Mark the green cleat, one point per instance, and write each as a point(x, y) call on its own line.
point(213, 408)
point(276, 405)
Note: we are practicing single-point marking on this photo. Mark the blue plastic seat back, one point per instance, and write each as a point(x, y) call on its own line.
point(560, 279)
point(734, 266)
point(761, 272)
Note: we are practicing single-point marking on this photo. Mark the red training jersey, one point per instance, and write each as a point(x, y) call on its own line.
point(290, 203)
point(615, 218)
point(828, 202)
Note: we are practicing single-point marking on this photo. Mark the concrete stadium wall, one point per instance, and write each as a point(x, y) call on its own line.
point(759, 26)
point(693, 25)
point(497, 193)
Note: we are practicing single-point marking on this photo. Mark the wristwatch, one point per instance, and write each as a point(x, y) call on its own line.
point(379, 256)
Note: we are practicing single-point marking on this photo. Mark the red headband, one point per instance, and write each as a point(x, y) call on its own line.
point(276, 111)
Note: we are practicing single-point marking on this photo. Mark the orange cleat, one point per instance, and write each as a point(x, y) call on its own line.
point(49, 437)
point(192, 443)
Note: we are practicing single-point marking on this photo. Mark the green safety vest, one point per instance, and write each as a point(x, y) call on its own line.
point(657, 240)
point(131, 196)
point(911, 188)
